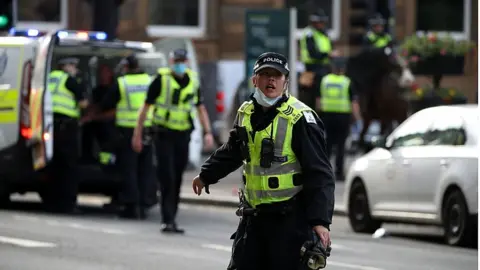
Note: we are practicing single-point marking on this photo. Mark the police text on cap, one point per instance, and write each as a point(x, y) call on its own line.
point(276, 60)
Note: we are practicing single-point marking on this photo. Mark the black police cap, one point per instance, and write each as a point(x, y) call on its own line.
point(272, 60)
point(377, 20)
point(318, 16)
point(131, 61)
point(179, 54)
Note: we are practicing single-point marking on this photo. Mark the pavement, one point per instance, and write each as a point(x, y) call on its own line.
point(33, 240)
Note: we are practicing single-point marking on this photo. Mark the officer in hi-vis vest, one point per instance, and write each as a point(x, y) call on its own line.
point(289, 186)
point(175, 94)
point(127, 97)
point(377, 37)
point(315, 53)
point(336, 100)
point(68, 99)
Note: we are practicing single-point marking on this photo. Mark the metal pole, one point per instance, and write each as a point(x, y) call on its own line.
point(293, 53)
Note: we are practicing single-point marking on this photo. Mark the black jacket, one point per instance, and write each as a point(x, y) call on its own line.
point(308, 144)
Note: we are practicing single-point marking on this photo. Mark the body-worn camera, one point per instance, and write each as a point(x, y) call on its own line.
point(267, 153)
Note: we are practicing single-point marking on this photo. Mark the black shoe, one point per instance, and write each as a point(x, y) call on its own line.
point(171, 228)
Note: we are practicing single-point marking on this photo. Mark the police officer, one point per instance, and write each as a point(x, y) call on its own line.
point(68, 99)
point(336, 100)
point(316, 50)
point(174, 93)
point(377, 37)
point(127, 96)
point(289, 184)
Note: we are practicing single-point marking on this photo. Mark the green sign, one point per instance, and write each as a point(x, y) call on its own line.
point(266, 30)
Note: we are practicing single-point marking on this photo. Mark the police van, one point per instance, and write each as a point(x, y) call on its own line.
point(26, 117)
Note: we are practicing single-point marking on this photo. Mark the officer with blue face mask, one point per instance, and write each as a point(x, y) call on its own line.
point(288, 193)
point(174, 93)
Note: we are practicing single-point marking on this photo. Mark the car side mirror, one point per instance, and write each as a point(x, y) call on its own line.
point(380, 142)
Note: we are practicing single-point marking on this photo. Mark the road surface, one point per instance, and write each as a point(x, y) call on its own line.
point(32, 240)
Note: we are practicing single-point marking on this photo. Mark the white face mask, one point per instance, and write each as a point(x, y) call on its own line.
point(264, 100)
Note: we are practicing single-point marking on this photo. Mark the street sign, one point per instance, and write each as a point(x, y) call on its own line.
point(270, 30)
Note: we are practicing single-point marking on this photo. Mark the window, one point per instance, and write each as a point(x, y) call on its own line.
point(412, 132)
point(177, 18)
point(305, 7)
point(45, 15)
point(447, 130)
point(445, 17)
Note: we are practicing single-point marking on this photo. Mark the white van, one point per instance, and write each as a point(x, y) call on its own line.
point(26, 117)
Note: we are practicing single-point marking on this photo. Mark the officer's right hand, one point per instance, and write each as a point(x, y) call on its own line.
point(197, 185)
point(137, 143)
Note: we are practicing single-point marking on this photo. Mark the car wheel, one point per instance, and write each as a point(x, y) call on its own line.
point(457, 223)
point(359, 211)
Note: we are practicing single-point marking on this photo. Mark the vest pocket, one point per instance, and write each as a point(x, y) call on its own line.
point(273, 182)
point(297, 179)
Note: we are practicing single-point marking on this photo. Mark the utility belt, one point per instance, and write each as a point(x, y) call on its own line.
point(245, 210)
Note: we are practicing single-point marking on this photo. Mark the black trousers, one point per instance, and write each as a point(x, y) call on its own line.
point(172, 159)
point(62, 191)
point(337, 126)
point(136, 170)
point(273, 242)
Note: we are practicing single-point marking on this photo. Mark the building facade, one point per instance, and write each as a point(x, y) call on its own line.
point(217, 26)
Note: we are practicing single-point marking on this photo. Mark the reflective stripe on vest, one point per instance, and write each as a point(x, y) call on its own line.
point(334, 91)
point(323, 45)
point(133, 90)
point(379, 41)
point(63, 100)
point(176, 116)
point(285, 166)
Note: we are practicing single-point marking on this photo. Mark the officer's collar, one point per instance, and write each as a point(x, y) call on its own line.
point(279, 103)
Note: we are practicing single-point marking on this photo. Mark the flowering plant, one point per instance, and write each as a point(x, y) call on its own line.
point(447, 94)
point(424, 46)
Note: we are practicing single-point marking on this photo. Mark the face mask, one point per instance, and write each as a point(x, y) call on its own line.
point(264, 100)
point(179, 68)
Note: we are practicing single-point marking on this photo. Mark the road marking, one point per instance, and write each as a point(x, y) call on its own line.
point(333, 263)
point(26, 242)
point(217, 247)
point(352, 266)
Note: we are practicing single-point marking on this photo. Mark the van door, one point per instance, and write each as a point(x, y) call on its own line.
point(167, 45)
point(11, 60)
point(41, 108)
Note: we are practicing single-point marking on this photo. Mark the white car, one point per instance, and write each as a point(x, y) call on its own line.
point(424, 172)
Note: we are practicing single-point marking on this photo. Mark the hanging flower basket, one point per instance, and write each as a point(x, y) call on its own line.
point(427, 96)
point(434, 55)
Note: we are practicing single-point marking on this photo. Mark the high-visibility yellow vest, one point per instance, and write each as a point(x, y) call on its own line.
point(378, 41)
point(174, 106)
point(133, 90)
point(259, 182)
point(334, 91)
point(63, 99)
point(323, 44)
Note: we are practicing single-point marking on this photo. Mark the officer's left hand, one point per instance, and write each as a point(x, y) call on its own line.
point(208, 141)
point(324, 235)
